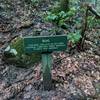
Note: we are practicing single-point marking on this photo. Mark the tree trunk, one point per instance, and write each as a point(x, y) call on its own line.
point(64, 5)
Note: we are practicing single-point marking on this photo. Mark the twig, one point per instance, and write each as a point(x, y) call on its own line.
point(84, 27)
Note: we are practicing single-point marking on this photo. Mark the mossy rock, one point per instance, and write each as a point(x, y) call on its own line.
point(22, 59)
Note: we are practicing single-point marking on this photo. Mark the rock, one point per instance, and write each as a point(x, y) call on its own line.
point(28, 88)
point(27, 95)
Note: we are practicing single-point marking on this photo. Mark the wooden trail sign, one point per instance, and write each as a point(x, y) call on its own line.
point(45, 45)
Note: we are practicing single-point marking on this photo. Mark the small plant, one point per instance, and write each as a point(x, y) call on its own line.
point(73, 38)
point(92, 21)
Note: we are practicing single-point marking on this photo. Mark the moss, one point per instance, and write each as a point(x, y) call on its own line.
point(18, 45)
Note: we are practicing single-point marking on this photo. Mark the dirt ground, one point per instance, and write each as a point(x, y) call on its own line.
point(75, 77)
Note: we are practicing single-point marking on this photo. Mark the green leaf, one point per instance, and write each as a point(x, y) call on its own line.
point(74, 37)
point(51, 17)
point(62, 14)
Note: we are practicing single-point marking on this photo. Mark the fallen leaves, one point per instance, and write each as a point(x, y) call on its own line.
point(85, 84)
point(37, 71)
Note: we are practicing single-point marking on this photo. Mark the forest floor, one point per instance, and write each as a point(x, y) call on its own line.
point(75, 77)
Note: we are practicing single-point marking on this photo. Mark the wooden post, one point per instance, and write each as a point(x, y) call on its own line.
point(46, 68)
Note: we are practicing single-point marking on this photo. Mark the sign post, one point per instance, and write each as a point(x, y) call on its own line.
point(46, 67)
point(45, 45)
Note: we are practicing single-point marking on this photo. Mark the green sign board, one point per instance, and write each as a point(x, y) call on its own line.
point(45, 43)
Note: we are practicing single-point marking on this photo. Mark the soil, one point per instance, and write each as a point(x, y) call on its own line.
point(74, 77)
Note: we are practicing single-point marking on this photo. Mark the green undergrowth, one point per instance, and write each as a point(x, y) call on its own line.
point(63, 19)
point(18, 57)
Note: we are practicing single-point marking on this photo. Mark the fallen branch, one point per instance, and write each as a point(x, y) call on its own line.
point(90, 8)
point(23, 26)
point(80, 45)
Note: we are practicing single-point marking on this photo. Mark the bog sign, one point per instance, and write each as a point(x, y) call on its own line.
point(45, 43)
